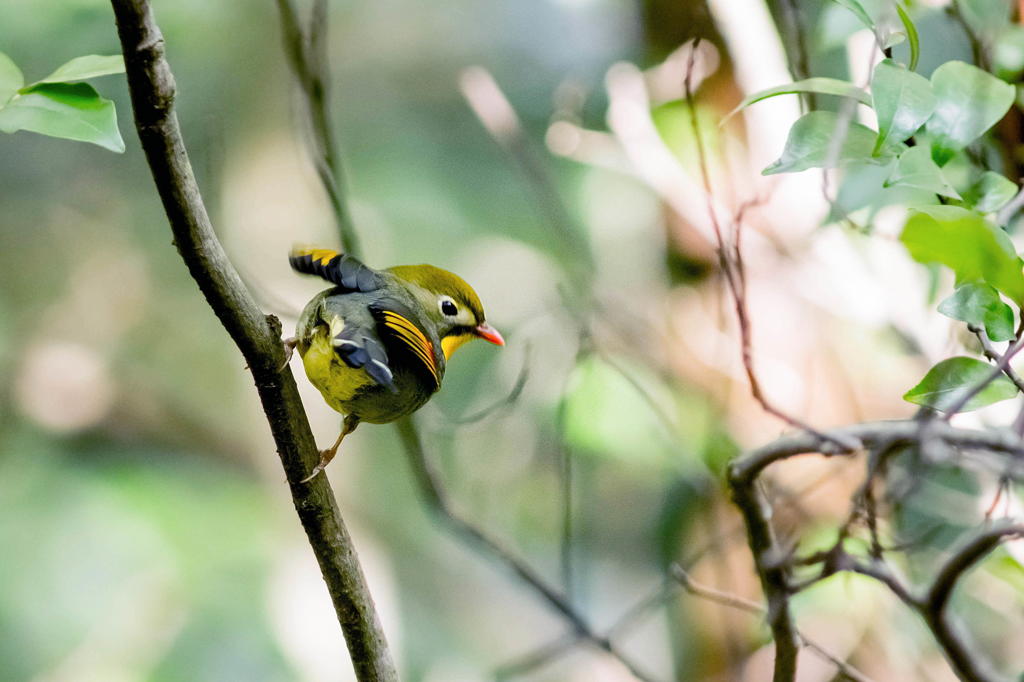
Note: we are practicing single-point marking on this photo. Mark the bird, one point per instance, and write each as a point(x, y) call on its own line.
point(377, 342)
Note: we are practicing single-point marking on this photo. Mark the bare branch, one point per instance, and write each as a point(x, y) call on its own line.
point(933, 606)
point(742, 604)
point(771, 567)
point(437, 499)
point(731, 262)
point(773, 564)
point(845, 668)
point(152, 89)
point(710, 593)
point(746, 467)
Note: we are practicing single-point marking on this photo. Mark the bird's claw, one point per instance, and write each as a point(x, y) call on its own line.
point(289, 349)
point(325, 458)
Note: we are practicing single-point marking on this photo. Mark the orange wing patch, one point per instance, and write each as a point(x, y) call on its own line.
point(411, 335)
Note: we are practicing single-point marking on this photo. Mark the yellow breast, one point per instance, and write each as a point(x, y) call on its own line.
point(336, 381)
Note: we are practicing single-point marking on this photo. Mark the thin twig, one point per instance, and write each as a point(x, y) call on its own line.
point(1001, 366)
point(710, 593)
point(734, 272)
point(152, 89)
point(736, 602)
point(436, 498)
point(995, 356)
point(508, 400)
point(844, 668)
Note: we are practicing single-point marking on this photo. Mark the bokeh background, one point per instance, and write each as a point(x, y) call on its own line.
point(146, 532)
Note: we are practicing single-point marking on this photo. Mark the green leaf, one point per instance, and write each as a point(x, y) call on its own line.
point(969, 102)
point(947, 382)
point(811, 143)
point(975, 249)
point(916, 169)
point(74, 111)
point(989, 192)
point(858, 11)
point(83, 68)
point(821, 86)
point(912, 37)
point(10, 78)
point(980, 305)
point(903, 101)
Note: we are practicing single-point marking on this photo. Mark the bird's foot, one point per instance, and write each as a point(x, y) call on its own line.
point(350, 424)
point(325, 458)
point(289, 349)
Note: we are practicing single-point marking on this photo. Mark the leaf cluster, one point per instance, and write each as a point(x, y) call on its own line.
point(924, 129)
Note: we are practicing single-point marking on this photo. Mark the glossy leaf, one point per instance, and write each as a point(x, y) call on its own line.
point(10, 78)
point(980, 305)
point(812, 143)
point(975, 249)
point(903, 101)
point(946, 383)
point(74, 111)
point(820, 86)
point(990, 192)
point(83, 68)
point(969, 101)
point(916, 169)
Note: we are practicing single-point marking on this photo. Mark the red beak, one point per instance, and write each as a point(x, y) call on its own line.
point(489, 333)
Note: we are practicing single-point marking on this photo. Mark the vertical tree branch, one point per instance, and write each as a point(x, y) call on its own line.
point(152, 89)
point(771, 569)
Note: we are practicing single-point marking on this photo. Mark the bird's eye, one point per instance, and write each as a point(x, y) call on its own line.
point(449, 308)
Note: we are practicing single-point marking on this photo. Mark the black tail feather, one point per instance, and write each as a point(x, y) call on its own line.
point(338, 268)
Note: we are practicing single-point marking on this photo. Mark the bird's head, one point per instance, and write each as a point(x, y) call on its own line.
point(450, 303)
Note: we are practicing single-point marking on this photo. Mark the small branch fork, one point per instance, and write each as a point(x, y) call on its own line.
point(774, 563)
point(995, 356)
point(152, 89)
point(1002, 367)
